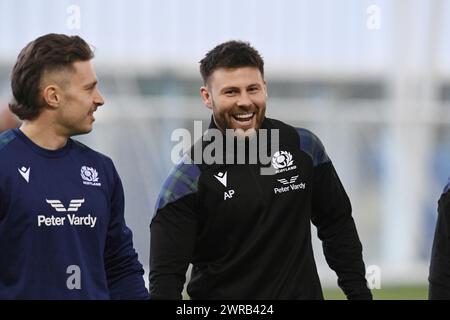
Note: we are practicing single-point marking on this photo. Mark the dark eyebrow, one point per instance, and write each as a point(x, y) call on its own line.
point(91, 85)
point(229, 88)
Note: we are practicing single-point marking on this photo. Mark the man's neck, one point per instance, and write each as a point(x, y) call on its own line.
point(44, 135)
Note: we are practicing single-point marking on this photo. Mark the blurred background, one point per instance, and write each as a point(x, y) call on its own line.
point(370, 78)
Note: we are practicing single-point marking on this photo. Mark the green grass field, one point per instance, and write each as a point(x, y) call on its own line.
point(387, 293)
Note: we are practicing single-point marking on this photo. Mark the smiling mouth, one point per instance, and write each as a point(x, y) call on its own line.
point(91, 114)
point(244, 117)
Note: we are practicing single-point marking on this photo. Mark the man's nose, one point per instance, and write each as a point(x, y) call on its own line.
point(98, 99)
point(244, 100)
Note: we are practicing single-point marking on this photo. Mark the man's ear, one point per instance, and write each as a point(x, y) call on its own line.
point(52, 95)
point(206, 97)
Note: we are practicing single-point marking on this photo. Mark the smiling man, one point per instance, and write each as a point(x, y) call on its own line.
point(248, 235)
point(237, 97)
point(62, 228)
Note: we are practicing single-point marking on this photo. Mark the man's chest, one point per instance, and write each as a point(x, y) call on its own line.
point(54, 195)
point(238, 193)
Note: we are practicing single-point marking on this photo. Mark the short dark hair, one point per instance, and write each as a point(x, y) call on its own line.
point(48, 53)
point(229, 55)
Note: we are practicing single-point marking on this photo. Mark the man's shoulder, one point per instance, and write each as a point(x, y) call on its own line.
point(181, 181)
point(8, 150)
point(293, 130)
point(302, 133)
point(278, 124)
point(445, 192)
point(444, 200)
point(186, 167)
point(88, 152)
point(307, 141)
point(6, 138)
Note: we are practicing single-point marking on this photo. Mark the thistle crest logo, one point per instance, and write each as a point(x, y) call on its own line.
point(282, 159)
point(90, 176)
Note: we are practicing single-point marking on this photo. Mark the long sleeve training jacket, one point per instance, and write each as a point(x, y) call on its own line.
point(248, 235)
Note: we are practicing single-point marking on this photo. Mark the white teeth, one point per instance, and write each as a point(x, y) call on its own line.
point(244, 116)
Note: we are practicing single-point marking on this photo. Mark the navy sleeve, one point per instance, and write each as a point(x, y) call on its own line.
point(439, 277)
point(5, 138)
point(331, 214)
point(173, 232)
point(123, 270)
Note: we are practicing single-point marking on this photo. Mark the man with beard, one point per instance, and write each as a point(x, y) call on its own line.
point(248, 234)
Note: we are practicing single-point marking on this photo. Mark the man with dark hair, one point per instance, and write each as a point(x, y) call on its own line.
point(248, 234)
point(62, 228)
point(439, 277)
